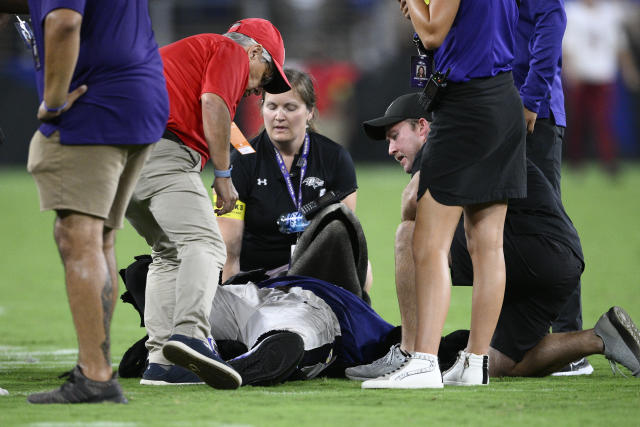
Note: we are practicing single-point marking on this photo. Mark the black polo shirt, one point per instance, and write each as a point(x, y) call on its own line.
point(262, 188)
point(541, 213)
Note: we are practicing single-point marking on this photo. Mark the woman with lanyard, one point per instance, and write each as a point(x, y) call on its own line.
point(474, 162)
point(292, 165)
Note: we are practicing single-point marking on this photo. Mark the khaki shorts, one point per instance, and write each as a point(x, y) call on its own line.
point(95, 180)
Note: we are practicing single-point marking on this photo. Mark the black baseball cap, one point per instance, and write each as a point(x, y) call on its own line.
point(402, 108)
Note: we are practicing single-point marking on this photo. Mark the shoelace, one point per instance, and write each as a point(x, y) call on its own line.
point(615, 368)
point(388, 358)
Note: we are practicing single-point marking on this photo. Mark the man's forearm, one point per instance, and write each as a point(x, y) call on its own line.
point(14, 6)
point(216, 122)
point(409, 203)
point(62, 46)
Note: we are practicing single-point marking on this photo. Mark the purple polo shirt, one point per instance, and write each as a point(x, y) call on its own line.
point(480, 42)
point(538, 62)
point(126, 101)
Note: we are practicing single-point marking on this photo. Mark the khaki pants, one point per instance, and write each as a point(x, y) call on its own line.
point(95, 180)
point(172, 210)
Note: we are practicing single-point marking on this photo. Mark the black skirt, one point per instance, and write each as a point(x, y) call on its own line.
point(475, 151)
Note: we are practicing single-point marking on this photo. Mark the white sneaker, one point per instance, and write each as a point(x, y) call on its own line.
point(469, 369)
point(579, 367)
point(421, 370)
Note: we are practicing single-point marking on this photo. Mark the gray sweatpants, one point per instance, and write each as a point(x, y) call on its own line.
point(245, 312)
point(172, 210)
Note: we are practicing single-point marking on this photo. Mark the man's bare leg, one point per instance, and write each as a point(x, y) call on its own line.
point(108, 248)
point(550, 354)
point(405, 283)
point(90, 289)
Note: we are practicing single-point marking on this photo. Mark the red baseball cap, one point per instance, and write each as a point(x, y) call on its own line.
point(269, 37)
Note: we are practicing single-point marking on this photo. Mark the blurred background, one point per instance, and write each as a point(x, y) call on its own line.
point(358, 52)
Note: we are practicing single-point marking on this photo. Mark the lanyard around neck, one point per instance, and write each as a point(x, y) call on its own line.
point(297, 203)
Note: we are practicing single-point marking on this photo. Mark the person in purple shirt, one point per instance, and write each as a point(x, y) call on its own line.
point(103, 103)
point(537, 71)
point(537, 74)
point(474, 162)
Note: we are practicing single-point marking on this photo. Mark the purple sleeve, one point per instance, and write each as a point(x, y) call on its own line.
point(47, 6)
point(545, 50)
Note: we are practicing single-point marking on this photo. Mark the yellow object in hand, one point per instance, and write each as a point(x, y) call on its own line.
point(238, 210)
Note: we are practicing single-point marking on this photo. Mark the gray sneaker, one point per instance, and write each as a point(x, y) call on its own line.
point(387, 363)
point(80, 389)
point(621, 339)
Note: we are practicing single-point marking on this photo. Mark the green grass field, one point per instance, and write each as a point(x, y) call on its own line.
point(37, 341)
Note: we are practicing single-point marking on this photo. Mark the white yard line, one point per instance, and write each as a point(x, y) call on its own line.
point(15, 357)
point(123, 424)
point(84, 423)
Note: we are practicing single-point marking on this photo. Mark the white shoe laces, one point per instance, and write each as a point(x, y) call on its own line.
point(387, 359)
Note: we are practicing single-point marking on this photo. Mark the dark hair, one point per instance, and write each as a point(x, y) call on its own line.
point(302, 84)
point(414, 123)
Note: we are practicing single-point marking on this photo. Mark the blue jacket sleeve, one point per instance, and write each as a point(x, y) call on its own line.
point(545, 51)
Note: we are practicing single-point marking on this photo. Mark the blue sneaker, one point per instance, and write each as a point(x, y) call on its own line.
point(201, 359)
point(157, 374)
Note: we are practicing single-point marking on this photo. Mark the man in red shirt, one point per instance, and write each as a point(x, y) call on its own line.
point(206, 76)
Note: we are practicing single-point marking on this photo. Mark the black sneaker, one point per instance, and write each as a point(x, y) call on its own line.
point(201, 359)
point(80, 389)
point(271, 361)
point(579, 367)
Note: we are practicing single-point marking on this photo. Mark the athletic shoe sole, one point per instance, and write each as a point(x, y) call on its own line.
point(272, 361)
point(215, 374)
point(388, 385)
point(156, 382)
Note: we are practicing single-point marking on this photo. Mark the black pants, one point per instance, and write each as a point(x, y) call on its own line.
point(541, 273)
point(544, 149)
